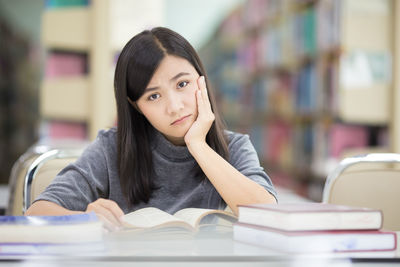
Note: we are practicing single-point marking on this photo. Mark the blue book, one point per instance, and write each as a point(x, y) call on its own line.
point(79, 228)
point(48, 220)
point(65, 3)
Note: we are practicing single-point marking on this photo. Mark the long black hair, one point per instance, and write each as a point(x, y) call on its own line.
point(136, 65)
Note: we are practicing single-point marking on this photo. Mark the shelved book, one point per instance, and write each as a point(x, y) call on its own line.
point(315, 241)
point(65, 65)
point(53, 234)
point(310, 217)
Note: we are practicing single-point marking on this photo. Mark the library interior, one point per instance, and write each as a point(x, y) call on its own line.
point(313, 83)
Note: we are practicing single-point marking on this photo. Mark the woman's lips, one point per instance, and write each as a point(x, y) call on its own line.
point(180, 120)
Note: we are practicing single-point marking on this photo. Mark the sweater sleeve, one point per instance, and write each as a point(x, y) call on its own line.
point(244, 158)
point(81, 182)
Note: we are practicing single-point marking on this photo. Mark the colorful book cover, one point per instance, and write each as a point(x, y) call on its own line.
point(48, 220)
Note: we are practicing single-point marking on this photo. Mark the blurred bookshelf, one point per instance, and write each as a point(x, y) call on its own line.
point(77, 87)
point(309, 81)
point(82, 40)
point(19, 85)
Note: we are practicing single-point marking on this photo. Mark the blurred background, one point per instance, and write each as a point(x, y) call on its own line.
point(311, 81)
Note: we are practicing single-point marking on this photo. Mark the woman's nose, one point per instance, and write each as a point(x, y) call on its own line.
point(174, 104)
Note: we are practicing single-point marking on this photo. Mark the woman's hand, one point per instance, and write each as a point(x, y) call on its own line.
point(108, 212)
point(205, 117)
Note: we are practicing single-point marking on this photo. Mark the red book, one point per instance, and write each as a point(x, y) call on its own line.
point(310, 217)
point(315, 241)
point(65, 64)
point(344, 137)
point(67, 130)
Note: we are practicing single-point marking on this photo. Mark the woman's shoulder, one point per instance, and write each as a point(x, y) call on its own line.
point(235, 138)
point(107, 137)
point(107, 133)
point(240, 148)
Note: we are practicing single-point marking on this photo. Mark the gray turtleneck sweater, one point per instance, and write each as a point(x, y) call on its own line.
point(95, 175)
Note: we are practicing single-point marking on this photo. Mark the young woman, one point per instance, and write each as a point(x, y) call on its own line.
point(169, 150)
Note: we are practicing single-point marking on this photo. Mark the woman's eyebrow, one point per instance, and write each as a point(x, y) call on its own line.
point(172, 79)
point(179, 75)
point(150, 89)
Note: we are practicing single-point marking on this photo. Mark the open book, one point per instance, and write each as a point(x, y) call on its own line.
point(190, 219)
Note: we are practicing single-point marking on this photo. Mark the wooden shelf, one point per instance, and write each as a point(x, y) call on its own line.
point(65, 98)
point(98, 30)
point(88, 99)
point(67, 28)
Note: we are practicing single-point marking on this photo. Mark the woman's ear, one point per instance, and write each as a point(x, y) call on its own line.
point(134, 105)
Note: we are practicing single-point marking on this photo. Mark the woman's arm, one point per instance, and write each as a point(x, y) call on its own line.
point(107, 210)
point(232, 185)
point(44, 208)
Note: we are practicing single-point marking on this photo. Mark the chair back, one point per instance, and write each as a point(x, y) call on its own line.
point(35, 170)
point(17, 177)
point(43, 170)
point(372, 181)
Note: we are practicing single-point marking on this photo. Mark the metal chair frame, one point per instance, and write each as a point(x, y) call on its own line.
point(37, 164)
point(348, 162)
point(18, 166)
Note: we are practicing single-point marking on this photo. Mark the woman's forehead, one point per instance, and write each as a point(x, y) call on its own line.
point(170, 66)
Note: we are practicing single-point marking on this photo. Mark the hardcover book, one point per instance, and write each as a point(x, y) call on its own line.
point(80, 228)
point(315, 241)
point(310, 217)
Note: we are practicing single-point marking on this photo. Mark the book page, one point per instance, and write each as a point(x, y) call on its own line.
point(148, 218)
point(193, 216)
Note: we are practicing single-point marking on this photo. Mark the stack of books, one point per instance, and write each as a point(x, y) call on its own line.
point(69, 234)
point(313, 227)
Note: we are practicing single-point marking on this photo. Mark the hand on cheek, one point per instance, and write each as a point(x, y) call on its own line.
point(205, 117)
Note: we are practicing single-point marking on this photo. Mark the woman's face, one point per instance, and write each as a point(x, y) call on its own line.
point(169, 101)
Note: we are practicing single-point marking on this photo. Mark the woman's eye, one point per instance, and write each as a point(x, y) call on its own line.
point(153, 97)
point(182, 84)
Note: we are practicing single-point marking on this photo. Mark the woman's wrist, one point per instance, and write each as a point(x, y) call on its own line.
point(196, 146)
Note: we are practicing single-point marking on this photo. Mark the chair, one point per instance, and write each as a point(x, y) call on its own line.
point(34, 170)
point(372, 181)
point(17, 177)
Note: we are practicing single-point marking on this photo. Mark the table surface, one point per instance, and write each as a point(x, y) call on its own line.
point(211, 248)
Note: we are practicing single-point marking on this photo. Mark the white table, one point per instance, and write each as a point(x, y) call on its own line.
point(207, 249)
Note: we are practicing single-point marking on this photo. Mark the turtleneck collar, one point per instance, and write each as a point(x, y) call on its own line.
point(169, 150)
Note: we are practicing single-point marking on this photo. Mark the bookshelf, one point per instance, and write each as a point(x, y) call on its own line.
point(307, 81)
point(85, 98)
point(90, 34)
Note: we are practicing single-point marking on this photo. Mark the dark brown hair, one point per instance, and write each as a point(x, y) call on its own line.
point(136, 65)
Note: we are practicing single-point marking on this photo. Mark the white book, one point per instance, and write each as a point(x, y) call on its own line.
point(310, 217)
point(74, 229)
point(315, 241)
